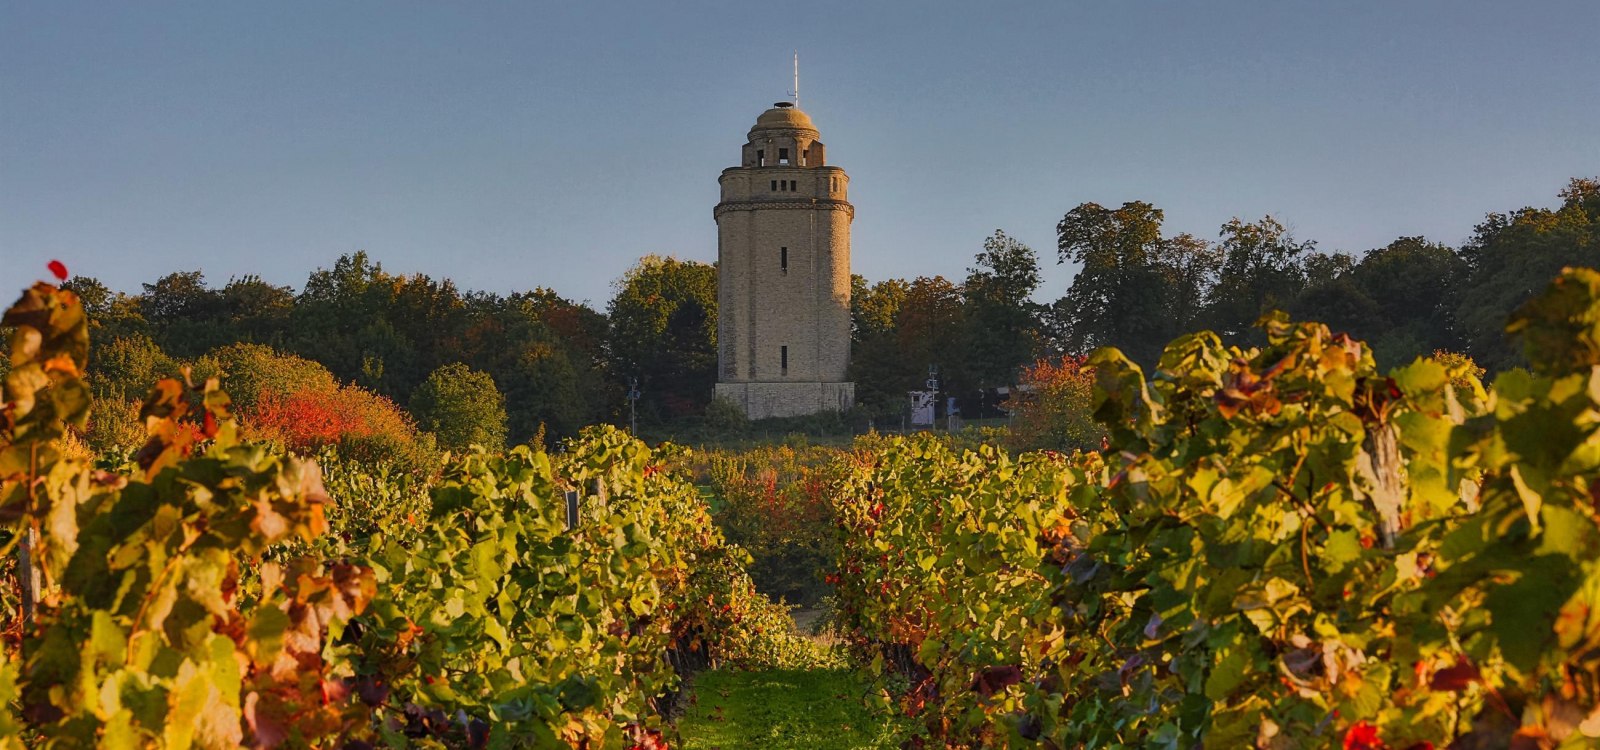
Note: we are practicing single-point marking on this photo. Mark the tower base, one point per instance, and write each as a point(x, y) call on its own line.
point(764, 400)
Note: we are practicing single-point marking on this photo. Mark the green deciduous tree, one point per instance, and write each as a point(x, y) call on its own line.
point(250, 370)
point(664, 332)
point(1135, 289)
point(1001, 318)
point(462, 407)
point(1512, 256)
point(1261, 270)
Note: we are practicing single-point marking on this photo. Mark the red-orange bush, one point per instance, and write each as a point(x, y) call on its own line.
point(1055, 409)
point(360, 423)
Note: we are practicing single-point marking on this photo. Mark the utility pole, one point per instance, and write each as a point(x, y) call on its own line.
point(933, 387)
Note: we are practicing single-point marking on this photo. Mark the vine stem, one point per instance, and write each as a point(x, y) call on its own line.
point(1305, 560)
point(28, 578)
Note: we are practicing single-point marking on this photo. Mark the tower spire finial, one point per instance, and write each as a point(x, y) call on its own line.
point(796, 92)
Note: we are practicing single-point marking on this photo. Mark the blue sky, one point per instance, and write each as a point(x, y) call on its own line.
point(513, 145)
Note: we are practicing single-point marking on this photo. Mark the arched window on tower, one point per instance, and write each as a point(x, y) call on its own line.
point(783, 156)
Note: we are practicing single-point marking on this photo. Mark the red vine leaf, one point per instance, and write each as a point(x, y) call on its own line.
point(1457, 678)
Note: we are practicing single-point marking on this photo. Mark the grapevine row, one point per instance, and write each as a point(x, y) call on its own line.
point(1281, 547)
point(215, 593)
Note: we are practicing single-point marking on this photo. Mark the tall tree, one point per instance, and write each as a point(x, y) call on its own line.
point(1188, 267)
point(462, 407)
point(874, 307)
point(1001, 319)
point(1511, 256)
point(877, 366)
point(664, 332)
point(1413, 282)
point(341, 320)
point(1134, 289)
point(184, 314)
point(1261, 271)
point(929, 331)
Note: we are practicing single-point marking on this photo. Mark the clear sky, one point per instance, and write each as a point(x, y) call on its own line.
point(521, 144)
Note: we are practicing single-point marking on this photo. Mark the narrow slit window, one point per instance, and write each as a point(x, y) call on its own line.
point(783, 259)
point(792, 187)
point(761, 158)
point(783, 360)
point(804, 155)
point(783, 156)
point(774, 186)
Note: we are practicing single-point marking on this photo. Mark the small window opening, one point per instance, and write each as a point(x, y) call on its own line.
point(774, 186)
point(761, 158)
point(783, 156)
point(783, 357)
point(783, 259)
point(804, 155)
point(792, 187)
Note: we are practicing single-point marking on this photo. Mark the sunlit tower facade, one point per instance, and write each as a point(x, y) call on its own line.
point(783, 272)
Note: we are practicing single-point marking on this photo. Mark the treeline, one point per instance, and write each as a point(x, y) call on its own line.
point(1138, 288)
point(557, 365)
point(470, 366)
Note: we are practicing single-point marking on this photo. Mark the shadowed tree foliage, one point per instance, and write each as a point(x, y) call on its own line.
point(902, 327)
point(1002, 321)
point(664, 332)
point(1261, 271)
point(1511, 256)
point(1135, 289)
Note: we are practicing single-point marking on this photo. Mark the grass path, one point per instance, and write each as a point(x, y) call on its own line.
point(817, 710)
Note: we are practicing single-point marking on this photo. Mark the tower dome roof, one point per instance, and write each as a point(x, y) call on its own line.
point(783, 116)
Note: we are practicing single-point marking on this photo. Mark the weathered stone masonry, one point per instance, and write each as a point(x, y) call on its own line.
point(783, 259)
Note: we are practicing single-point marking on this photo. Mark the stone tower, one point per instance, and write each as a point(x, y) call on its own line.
point(783, 273)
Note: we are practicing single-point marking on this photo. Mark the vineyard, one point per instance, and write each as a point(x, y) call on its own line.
point(1277, 547)
point(1281, 548)
point(214, 593)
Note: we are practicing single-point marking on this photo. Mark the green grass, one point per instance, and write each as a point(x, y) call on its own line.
point(817, 710)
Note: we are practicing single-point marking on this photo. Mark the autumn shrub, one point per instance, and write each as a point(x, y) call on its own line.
point(249, 371)
point(356, 422)
point(1054, 407)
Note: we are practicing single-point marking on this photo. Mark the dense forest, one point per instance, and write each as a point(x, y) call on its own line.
point(477, 367)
